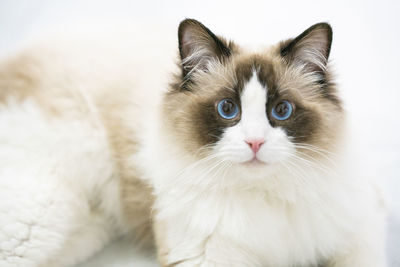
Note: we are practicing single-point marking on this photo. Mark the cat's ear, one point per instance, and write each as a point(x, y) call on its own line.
point(198, 46)
point(311, 48)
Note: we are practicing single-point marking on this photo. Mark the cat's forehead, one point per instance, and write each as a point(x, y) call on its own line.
point(265, 71)
point(255, 66)
point(233, 76)
point(270, 71)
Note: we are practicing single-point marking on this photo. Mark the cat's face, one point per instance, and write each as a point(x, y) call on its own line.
point(254, 109)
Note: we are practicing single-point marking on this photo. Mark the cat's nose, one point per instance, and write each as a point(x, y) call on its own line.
point(255, 144)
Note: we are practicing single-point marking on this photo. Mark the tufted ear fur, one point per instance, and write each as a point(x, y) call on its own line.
point(311, 48)
point(198, 46)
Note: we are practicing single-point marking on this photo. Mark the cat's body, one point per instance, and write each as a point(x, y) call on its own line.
point(89, 136)
point(68, 124)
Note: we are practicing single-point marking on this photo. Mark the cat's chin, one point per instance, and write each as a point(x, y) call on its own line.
point(253, 170)
point(255, 162)
point(256, 165)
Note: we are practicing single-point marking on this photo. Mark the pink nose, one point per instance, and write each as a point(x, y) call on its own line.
point(255, 144)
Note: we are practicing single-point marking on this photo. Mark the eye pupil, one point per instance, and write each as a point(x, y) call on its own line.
point(282, 108)
point(227, 109)
point(282, 111)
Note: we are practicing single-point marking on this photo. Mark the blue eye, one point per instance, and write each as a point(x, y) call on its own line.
point(282, 111)
point(227, 109)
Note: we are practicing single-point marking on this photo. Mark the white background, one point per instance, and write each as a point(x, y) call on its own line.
point(365, 55)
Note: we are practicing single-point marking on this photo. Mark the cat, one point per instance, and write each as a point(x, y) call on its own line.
point(242, 160)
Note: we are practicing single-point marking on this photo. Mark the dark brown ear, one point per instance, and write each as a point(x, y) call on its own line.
point(198, 46)
point(311, 48)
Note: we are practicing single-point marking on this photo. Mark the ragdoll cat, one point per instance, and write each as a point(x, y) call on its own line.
point(242, 161)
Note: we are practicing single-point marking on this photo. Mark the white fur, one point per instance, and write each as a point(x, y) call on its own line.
point(51, 213)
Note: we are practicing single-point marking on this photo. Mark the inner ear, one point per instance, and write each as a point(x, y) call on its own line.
point(311, 48)
point(198, 46)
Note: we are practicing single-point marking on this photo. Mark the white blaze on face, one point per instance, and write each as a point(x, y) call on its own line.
point(254, 126)
point(254, 121)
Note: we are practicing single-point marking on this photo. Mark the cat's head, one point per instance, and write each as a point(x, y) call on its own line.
point(254, 109)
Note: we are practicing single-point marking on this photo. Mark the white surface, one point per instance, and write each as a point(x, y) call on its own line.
point(365, 55)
